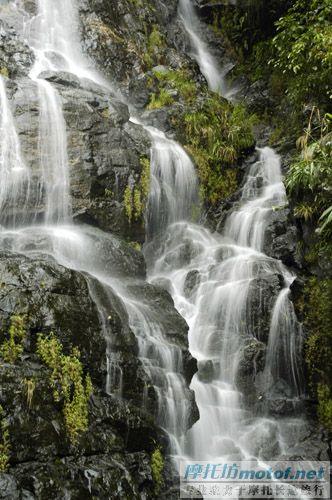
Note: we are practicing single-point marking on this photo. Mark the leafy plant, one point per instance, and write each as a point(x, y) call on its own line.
point(157, 467)
point(68, 384)
point(12, 346)
point(303, 48)
point(164, 98)
point(136, 196)
point(216, 134)
point(155, 43)
point(179, 80)
point(310, 175)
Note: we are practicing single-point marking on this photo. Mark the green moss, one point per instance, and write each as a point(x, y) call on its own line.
point(128, 202)
point(155, 43)
point(108, 193)
point(159, 101)
point(145, 177)
point(4, 443)
point(138, 206)
point(136, 196)
point(179, 80)
point(157, 467)
point(4, 72)
point(68, 384)
point(216, 135)
point(12, 346)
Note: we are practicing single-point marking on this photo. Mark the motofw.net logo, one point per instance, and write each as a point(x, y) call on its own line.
point(254, 479)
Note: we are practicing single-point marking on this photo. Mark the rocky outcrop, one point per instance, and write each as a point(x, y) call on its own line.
point(16, 57)
point(113, 456)
point(127, 39)
point(104, 151)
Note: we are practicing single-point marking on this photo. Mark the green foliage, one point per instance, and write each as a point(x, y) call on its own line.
point(4, 72)
point(12, 346)
point(157, 467)
point(68, 384)
point(304, 49)
point(316, 309)
point(136, 196)
point(310, 176)
point(324, 393)
point(216, 136)
point(180, 81)
point(108, 193)
point(164, 98)
point(128, 202)
point(4, 443)
point(155, 43)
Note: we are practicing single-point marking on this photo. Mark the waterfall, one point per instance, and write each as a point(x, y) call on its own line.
point(174, 184)
point(53, 154)
point(53, 36)
point(222, 270)
point(14, 173)
point(210, 276)
point(215, 76)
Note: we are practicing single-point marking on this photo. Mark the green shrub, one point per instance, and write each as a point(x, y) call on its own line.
point(155, 43)
point(12, 346)
point(309, 178)
point(157, 467)
point(216, 135)
point(303, 48)
point(179, 80)
point(67, 383)
point(4, 443)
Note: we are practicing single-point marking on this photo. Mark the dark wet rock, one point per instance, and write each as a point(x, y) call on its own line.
point(281, 238)
point(307, 440)
point(206, 371)
point(251, 363)
point(9, 489)
point(114, 455)
point(263, 292)
point(163, 312)
point(116, 37)
point(55, 299)
point(191, 283)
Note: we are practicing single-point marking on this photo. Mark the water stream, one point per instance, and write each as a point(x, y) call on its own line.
point(212, 277)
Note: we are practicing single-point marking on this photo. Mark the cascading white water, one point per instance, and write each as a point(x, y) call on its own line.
point(53, 37)
point(53, 154)
point(174, 185)
point(14, 173)
point(209, 275)
point(222, 270)
point(209, 67)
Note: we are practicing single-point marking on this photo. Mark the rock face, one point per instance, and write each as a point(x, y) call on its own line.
point(128, 38)
point(107, 154)
point(16, 57)
point(114, 455)
point(104, 151)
